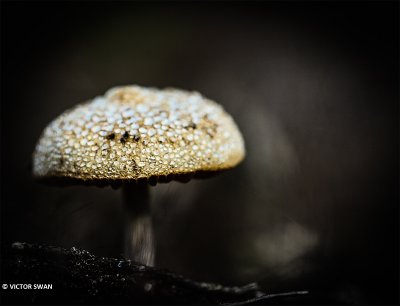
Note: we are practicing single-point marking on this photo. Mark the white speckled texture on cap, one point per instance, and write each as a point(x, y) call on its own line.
point(134, 133)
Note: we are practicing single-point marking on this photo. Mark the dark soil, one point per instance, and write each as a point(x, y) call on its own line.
point(78, 277)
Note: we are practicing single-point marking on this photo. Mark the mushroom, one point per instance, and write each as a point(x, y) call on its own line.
point(135, 136)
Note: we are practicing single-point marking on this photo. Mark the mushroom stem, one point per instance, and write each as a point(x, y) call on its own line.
point(139, 238)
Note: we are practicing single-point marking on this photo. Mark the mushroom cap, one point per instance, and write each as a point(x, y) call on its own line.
point(135, 133)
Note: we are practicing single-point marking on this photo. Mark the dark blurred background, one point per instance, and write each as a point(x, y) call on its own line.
point(314, 89)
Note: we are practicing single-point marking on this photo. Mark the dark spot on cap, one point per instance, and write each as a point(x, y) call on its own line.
point(134, 165)
point(136, 138)
point(122, 140)
point(126, 135)
point(191, 125)
point(110, 136)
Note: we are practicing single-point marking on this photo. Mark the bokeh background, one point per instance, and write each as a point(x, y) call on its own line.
point(314, 89)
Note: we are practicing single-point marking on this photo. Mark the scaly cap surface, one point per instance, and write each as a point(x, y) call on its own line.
point(133, 133)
